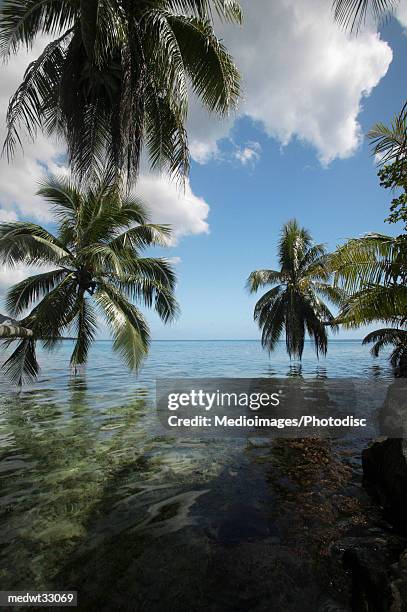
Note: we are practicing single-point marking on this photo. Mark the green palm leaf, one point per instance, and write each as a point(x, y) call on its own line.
point(129, 329)
point(31, 289)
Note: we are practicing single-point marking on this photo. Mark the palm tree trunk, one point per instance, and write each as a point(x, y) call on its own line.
point(14, 331)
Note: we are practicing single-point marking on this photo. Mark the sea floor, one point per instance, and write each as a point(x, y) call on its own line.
point(93, 500)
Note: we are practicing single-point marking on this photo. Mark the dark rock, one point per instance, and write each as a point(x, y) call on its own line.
point(378, 583)
point(385, 478)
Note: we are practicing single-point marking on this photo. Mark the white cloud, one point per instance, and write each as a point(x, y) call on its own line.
point(401, 13)
point(302, 77)
point(248, 154)
point(175, 260)
point(170, 203)
point(7, 215)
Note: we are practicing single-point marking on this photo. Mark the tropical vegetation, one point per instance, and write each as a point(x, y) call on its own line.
point(296, 301)
point(117, 75)
point(96, 269)
point(373, 269)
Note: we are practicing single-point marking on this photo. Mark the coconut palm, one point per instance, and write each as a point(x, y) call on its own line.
point(352, 13)
point(296, 301)
point(117, 74)
point(95, 267)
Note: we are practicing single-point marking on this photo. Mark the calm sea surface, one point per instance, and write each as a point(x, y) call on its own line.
point(105, 374)
point(93, 497)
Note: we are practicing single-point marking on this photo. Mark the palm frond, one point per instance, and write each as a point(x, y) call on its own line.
point(129, 329)
point(86, 325)
point(372, 259)
point(352, 13)
point(22, 365)
point(30, 104)
point(389, 142)
point(31, 289)
point(22, 20)
point(375, 303)
point(261, 278)
point(214, 76)
point(228, 10)
point(24, 242)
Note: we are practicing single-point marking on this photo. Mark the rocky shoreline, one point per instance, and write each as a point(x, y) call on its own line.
point(378, 563)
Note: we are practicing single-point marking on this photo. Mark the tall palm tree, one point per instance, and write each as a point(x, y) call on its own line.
point(118, 74)
point(96, 269)
point(352, 13)
point(295, 303)
point(372, 270)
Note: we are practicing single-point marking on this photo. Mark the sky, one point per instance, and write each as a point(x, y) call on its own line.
point(295, 147)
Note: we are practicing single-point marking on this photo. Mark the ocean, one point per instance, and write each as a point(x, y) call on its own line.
point(96, 499)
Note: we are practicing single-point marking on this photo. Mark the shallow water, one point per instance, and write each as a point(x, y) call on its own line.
point(95, 497)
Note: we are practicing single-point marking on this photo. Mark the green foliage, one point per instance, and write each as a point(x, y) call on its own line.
point(394, 176)
point(98, 268)
point(296, 301)
point(117, 75)
point(373, 270)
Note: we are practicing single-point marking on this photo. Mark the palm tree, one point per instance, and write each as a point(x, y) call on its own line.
point(352, 13)
point(117, 74)
point(373, 271)
point(96, 269)
point(295, 303)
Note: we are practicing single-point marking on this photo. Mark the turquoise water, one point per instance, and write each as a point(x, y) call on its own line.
point(95, 498)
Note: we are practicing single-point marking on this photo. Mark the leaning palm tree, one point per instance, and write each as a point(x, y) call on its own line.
point(117, 74)
point(352, 13)
point(296, 301)
point(96, 269)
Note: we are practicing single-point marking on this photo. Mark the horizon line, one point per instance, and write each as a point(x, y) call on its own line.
point(227, 340)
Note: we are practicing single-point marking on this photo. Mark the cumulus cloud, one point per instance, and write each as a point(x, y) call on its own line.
point(302, 75)
point(170, 203)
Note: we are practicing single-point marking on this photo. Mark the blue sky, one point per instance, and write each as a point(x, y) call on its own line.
point(294, 148)
point(249, 204)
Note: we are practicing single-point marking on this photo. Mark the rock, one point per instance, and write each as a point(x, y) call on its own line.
point(378, 584)
point(385, 478)
point(379, 564)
